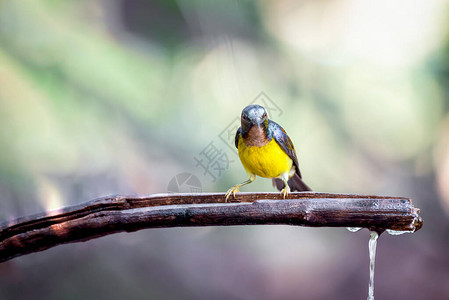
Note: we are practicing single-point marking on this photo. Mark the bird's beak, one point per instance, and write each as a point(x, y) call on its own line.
point(259, 122)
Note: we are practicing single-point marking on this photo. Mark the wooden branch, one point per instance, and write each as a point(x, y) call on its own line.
point(119, 213)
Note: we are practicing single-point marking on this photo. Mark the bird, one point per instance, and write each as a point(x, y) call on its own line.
point(265, 150)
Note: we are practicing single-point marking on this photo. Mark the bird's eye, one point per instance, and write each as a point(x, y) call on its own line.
point(265, 115)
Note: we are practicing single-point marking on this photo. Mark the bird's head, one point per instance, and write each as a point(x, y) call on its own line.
point(254, 115)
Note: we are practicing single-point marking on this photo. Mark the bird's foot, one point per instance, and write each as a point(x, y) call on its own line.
point(233, 191)
point(285, 192)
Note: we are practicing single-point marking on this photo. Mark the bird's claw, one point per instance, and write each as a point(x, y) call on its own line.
point(233, 191)
point(284, 192)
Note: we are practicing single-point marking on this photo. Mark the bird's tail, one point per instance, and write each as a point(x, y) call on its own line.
point(295, 183)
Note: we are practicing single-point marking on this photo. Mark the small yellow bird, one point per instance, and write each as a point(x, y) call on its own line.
point(266, 150)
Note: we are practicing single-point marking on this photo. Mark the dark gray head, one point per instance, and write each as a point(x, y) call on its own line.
point(254, 115)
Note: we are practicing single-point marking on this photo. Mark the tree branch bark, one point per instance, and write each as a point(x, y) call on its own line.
point(119, 213)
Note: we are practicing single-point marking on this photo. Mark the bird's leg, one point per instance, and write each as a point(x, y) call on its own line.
point(235, 188)
point(286, 189)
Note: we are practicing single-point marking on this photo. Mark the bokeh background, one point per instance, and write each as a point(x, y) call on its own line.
point(107, 97)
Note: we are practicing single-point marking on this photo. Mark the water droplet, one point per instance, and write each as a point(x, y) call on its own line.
point(397, 232)
point(372, 256)
point(354, 229)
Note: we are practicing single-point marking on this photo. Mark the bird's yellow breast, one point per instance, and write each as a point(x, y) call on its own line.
point(266, 161)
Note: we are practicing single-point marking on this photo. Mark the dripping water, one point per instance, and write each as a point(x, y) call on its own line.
point(372, 256)
point(398, 232)
point(354, 229)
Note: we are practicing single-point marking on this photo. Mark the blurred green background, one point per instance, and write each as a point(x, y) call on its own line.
point(106, 97)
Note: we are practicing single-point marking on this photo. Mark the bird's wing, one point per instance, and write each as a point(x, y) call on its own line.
point(284, 141)
point(237, 134)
